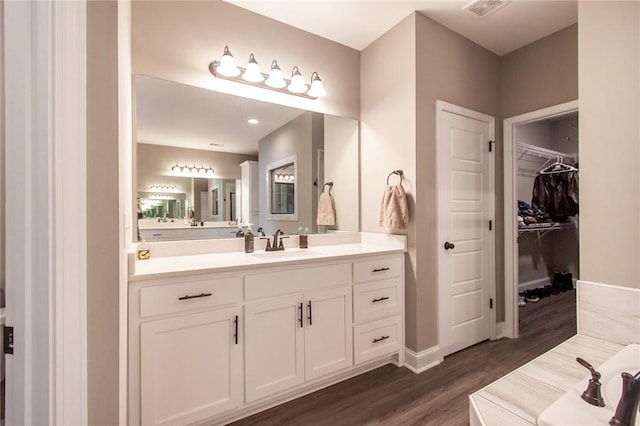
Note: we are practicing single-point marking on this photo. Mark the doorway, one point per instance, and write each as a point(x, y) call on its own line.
point(544, 249)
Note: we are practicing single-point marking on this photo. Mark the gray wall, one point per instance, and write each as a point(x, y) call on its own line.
point(103, 214)
point(399, 132)
point(177, 40)
point(541, 74)
point(301, 137)
point(609, 55)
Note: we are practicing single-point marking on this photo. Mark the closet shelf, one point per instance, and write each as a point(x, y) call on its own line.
point(527, 149)
point(543, 229)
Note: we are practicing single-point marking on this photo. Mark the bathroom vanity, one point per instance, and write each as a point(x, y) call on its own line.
point(216, 334)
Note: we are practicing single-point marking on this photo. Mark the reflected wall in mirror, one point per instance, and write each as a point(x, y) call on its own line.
point(181, 124)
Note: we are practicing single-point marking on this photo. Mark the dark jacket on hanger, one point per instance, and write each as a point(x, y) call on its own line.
point(556, 193)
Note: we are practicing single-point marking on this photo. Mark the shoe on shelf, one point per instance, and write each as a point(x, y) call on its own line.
point(521, 301)
point(533, 299)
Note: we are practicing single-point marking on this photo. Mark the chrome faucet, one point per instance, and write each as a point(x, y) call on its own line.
point(628, 406)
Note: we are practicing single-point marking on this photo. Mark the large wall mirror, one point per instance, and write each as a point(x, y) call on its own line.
point(210, 160)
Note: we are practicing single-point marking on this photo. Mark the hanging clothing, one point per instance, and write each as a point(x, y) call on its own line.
point(557, 194)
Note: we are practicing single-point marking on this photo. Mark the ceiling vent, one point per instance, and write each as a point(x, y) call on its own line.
point(485, 7)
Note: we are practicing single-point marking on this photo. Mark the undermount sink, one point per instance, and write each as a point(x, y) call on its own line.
point(570, 409)
point(285, 254)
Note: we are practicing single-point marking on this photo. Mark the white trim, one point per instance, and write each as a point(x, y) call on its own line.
point(441, 107)
point(423, 360)
point(69, 168)
point(511, 210)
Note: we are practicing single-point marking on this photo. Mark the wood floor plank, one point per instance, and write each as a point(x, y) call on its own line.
point(396, 396)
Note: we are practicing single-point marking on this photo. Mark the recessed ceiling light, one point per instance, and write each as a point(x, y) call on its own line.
point(253, 121)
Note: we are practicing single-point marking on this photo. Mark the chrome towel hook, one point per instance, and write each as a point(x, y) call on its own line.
point(395, 172)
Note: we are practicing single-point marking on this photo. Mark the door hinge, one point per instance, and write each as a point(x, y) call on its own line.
point(490, 225)
point(491, 303)
point(491, 145)
point(7, 339)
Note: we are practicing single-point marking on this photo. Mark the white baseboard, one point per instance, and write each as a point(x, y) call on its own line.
point(422, 361)
point(527, 285)
point(500, 330)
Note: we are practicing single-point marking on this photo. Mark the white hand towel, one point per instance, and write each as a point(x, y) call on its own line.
point(394, 211)
point(326, 209)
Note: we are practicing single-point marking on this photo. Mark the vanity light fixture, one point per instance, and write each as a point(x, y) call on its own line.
point(227, 69)
point(165, 188)
point(193, 171)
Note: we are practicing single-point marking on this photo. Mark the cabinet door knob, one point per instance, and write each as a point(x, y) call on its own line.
point(449, 246)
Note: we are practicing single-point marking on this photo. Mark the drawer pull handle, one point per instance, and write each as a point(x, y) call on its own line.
point(310, 314)
point(187, 297)
point(380, 299)
point(236, 325)
point(380, 339)
point(301, 320)
point(380, 269)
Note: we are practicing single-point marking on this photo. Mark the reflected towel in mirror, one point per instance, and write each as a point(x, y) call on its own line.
point(326, 209)
point(394, 211)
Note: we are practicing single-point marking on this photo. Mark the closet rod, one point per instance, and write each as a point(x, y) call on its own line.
point(527, 149)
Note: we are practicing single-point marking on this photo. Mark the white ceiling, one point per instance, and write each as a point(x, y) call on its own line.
point(358, 23)
point(175, 114)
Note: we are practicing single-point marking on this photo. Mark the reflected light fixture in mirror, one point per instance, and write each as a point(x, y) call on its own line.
point(227, 69)
point(165, 188)
point(192, 171)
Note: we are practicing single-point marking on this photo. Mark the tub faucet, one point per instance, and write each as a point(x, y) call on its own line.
point(628, 406)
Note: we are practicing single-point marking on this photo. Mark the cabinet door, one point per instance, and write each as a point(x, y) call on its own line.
point(190, 367)
point(274, 358)
point(328, 333)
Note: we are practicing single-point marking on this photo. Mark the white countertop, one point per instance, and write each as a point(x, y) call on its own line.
point(168, 266)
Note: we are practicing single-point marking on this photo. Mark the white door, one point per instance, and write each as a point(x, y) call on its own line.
point(328, 334)
point(200, 352)
point(465, 211)
point(274, 342)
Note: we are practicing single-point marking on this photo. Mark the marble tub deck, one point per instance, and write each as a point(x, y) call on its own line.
point(522, 395)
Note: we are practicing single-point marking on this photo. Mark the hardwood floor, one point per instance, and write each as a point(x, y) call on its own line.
point(396, 396)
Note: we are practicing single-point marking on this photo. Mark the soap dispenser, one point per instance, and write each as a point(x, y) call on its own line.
point(248, 241)
point(239, 232)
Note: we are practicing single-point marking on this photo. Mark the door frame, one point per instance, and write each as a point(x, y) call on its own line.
point(511, 313)
point(442, 107)
point(45, 173)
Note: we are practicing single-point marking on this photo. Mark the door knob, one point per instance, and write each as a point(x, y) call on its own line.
point(448, 245)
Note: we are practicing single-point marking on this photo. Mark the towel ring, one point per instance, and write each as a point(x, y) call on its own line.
point(395, 172)
point(329, 184)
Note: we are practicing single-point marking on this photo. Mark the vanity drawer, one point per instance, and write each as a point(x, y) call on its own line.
point(158, 234)
point(376, 338)
point(278, 283)
point(190, 295)
point(377, 269)
point(376, 300)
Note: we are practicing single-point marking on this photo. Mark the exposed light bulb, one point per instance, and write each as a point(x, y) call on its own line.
point(275, 79)
point(252, 73)
point(175, 169)
point(227, 64)
point(317, 88)
point(297, 82)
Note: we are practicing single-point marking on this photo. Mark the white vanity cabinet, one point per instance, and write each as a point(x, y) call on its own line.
point(302, 333)
point(214, 346)
point(186, 349)
point(199, 352)
point(378, 302)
